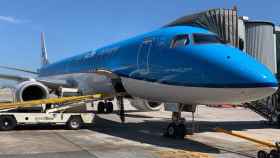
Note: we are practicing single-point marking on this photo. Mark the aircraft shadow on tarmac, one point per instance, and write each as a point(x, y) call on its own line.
point(149, 132)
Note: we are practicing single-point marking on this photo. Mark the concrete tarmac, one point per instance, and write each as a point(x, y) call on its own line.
point(141, 136)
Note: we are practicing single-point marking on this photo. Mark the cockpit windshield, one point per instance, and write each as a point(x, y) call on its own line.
point(206, 38)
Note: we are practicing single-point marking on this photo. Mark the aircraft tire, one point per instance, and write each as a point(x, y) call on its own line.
point(109, 107)
point(101, 107)
point(171, 130)
point(175, 131)
point(7, 123)
point(181, 131)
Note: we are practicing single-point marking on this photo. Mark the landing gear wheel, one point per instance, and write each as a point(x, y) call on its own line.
point(109, 107)
point(170, 131)
point(263, 154)
point(100, 107)
point(273, 154)
point(175, 131)
point(74, 123)
point(7, 123)
point(181, 133)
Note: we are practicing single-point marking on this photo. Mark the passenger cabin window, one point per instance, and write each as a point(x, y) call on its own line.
point(180, 41)
point(206, 39)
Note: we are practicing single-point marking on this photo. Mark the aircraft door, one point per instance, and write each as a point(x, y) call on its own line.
point(143, 60)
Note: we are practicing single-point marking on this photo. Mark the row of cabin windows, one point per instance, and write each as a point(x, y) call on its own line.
point(183, 40)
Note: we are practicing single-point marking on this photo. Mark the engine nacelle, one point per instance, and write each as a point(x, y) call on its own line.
point(146, 105)
point(31, 90)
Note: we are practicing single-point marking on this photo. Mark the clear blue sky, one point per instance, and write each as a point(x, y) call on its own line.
point(75, 26)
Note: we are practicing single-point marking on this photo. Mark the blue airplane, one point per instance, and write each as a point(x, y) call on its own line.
point(180, 66)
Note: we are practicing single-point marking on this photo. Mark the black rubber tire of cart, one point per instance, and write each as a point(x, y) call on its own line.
point(7, 123)
point(74, 123)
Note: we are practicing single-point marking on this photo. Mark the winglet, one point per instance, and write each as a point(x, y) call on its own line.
point(44, 54)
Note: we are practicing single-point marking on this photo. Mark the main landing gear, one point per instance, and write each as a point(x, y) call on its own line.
point(105, 107)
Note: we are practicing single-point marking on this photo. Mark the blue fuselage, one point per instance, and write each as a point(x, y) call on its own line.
point(152, 58)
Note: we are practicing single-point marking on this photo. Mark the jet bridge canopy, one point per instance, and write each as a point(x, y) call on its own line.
point(223, 22)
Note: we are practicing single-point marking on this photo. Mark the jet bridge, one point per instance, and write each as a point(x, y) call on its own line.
point(223, 22)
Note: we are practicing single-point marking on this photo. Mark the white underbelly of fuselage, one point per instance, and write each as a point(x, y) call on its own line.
point(194, 95)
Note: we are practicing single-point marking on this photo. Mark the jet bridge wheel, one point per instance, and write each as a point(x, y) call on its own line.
point(7, 123)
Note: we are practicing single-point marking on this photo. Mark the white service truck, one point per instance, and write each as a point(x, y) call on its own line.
point(73, 115)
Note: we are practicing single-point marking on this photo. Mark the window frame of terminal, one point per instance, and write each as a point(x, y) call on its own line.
point(179, 38)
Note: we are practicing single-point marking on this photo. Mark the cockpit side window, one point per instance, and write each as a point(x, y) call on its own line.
point(180, 41)
point(206, 39)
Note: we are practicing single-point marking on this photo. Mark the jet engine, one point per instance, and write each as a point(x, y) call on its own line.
point(30, 90)
point(146, 105)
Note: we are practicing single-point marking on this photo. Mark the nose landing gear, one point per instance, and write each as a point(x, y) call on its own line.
point(177, 129)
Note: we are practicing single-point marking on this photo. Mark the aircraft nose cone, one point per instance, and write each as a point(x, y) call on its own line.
point(255, 74)
point(245, 77)
point(255, 78)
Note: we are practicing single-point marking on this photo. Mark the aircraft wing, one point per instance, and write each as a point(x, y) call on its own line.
point(18, 69)
point(52, 84)
point(14, 78)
